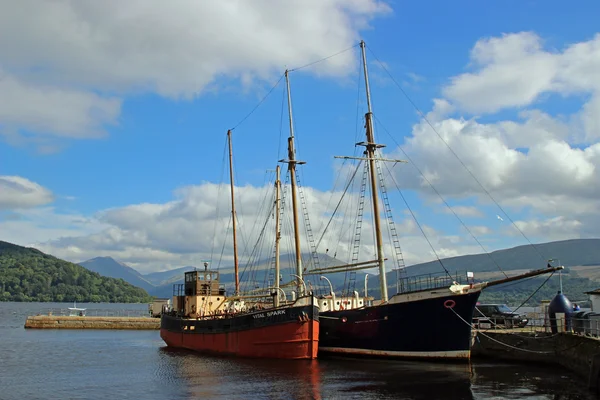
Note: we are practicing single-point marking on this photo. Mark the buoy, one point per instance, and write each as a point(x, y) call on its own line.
point(560, 304)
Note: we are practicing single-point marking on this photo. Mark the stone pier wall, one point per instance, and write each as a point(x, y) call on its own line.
point(66, 322)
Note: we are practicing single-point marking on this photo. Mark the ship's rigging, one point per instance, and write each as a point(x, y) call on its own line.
point(375, 177)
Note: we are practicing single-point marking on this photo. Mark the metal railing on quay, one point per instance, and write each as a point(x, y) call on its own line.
point(588, 326)
point(96, 312)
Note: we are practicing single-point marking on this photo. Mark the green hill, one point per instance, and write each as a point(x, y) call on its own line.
point(27, 274)
point(574, 252)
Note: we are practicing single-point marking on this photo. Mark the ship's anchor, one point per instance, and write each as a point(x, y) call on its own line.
point(303, 317)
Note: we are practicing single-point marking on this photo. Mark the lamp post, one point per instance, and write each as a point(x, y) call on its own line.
point(328, 281)
point(330, 291)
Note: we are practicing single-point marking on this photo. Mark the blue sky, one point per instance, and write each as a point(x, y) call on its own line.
point(147, 133)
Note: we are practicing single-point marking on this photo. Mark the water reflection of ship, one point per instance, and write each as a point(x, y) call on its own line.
point(378, 378)
point(226, 377)
point(530, 381)
point(202, 376)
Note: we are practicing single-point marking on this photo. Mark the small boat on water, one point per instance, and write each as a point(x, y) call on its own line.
point(76, 312)
point(203, 318)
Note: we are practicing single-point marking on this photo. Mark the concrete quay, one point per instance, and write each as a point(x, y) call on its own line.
point(85, 322)
point(577, 353)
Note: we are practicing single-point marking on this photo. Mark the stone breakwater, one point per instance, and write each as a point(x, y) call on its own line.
point(69, 322)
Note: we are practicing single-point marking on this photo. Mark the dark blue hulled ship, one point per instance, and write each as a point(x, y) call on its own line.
point(430, 318)
point(434, 323)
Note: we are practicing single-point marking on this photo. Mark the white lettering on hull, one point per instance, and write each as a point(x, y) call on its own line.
point(269, 314)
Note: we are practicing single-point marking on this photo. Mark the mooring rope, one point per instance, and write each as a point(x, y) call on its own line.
point(498, 341)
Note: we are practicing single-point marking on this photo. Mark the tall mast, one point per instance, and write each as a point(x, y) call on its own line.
point(277, 235)
point(235, 254)
point(292, 168)
point(371, 152)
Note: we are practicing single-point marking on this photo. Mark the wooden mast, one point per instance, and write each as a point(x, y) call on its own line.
point(292, 168)
point(371, 149)
point(235, 254)
point(277, 235)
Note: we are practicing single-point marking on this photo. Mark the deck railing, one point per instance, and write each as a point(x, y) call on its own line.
point(429, 281)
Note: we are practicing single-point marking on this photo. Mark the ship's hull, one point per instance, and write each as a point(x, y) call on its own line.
point(427, 325)
point(288, 333)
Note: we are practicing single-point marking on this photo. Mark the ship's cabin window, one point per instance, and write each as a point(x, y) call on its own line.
point(208, 276)
point(204, 276)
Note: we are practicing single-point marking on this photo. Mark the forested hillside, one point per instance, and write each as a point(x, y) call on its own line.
point(27, 274)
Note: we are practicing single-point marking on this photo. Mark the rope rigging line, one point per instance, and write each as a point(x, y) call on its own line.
point(359, 117)
point(419, 225)
point(323, 59)
point(338, 204)
point(281, 123)
point(337, 179)
point(536, 290)
point(440, 196)
point(224, 242)
point(249, 267)
point(260, 246)
point(498, 341)
point(422, 115)
point(261, 212)
point(212, 249)
point(523, 303)
point(259, 103)
point(263, 202)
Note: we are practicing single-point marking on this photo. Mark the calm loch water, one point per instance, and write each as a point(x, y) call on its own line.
point(95, 364)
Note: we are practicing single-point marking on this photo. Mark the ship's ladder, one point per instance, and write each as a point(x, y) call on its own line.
point(307, 226)
point(399, 258)
point(357, 230)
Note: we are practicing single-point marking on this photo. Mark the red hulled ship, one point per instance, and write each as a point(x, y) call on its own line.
point(258, 324)
point(205, 320)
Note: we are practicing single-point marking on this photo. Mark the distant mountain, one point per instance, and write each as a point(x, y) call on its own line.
point(167, 277)
point(27, 274)
point(580, 257)
point(573, 252)
point(107, 266)
point(249, 277)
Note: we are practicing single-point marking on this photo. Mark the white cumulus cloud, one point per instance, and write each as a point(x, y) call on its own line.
point(68, 66)
point(19, 192)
